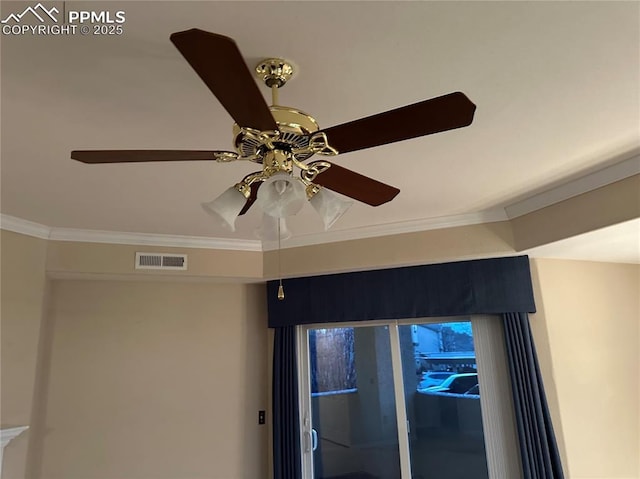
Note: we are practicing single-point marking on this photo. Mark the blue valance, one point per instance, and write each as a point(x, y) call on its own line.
point(485, 286)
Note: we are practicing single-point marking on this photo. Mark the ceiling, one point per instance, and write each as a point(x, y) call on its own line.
point(555, 84)
point(618, 243)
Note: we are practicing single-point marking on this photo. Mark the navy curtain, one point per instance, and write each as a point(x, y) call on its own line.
point(485, 286)
point(286, 426)
point(488, 286)
point(538, 448)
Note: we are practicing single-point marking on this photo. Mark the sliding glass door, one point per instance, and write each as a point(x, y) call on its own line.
point(442, 401)
point(392, 401)
point(354, 430)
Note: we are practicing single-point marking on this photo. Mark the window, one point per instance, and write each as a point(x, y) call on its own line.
point(445, 423)
point(399, 400)
point(331, 352)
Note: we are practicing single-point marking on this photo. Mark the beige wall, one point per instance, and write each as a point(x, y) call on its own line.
point(70, 258)
point(587, 331)
point(23, 296)
point(156, 380)
point(605, 206)
point(164, 378)
point(433, 246)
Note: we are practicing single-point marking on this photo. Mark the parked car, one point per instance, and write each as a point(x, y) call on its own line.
point(433, 378)
point(474, 391)
point(456, 384)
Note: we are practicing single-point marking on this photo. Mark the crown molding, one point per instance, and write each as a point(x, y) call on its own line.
point(29, 228)
point(592, 181)
point(7, 435)
point(148, 239)
point(611, 174)
point(25, 227)
point(388, 229)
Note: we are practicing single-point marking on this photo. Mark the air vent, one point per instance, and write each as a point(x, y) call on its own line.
point(161, 261)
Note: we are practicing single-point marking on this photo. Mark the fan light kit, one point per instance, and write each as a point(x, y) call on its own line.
point(283, 140)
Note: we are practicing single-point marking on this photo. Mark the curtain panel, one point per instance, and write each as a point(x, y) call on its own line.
point(488, 286)
point(538, 447)
point(286, 424)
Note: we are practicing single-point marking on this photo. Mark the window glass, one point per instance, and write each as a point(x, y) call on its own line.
point(442, 401)
point(332, 357)
point(354, 426)
point(402, 400)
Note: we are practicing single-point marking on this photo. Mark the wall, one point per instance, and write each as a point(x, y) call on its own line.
point(587, 331)
point(605, 206)
point(155, 380)
point(586, 369)
point(23, 296)
point(68, 259)
point(424, 247)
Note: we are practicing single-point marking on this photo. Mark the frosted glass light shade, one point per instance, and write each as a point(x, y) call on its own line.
point(329, 206)
point(268, 230)
point(226, 207)
point(281, 195)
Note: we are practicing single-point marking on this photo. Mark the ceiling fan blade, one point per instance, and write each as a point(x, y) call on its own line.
point(219, 63)
point(252, 198)
point(356, 186)
point(135, 156)
point(443, 113)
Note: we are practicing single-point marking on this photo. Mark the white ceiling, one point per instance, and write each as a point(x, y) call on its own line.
point(556, 86)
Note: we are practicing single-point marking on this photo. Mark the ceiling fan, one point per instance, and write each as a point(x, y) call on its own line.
point(284, 140)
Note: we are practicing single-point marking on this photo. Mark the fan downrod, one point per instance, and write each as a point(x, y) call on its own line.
point(295, 127)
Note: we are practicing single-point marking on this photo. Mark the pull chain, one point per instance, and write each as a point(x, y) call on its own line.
point(280, 287)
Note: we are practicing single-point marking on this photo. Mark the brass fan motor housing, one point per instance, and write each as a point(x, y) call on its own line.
point(294, 126)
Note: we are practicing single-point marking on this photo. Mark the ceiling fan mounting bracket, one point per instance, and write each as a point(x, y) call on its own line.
point(314, 169)
point(274, 71)
point(225, 156)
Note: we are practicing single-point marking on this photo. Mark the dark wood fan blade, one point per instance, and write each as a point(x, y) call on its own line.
point(356, 186)
point(135, 156)
point(443, 113)
point(252, 198)
point(219, 63)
